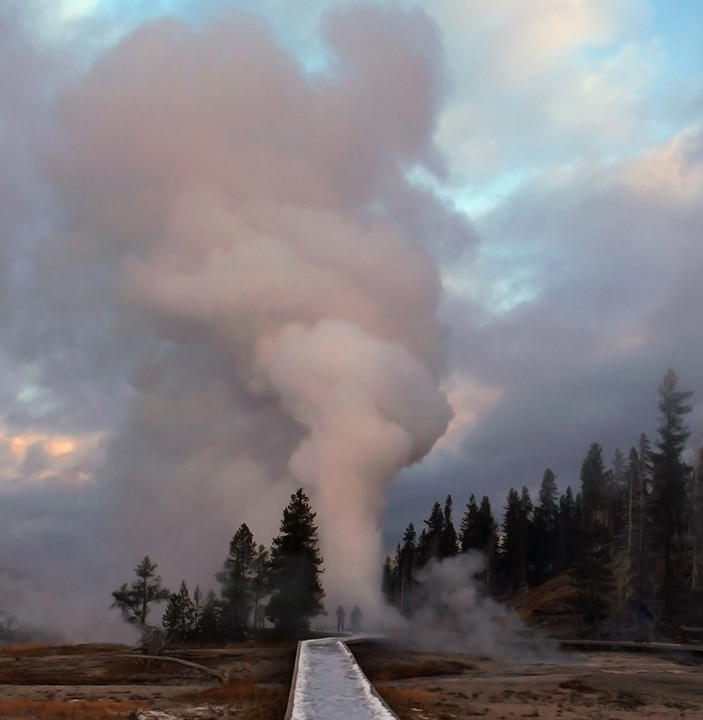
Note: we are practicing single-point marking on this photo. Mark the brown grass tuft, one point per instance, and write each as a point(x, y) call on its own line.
point(408, 669)
point(24, 649)
point(401, 700)
point(43, 649)
point(49, 710)
point(262, 702)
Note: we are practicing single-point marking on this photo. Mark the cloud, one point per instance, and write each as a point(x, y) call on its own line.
point(541, 81)
point(615, 303)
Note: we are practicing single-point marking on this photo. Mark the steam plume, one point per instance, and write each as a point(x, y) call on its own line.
point(455, 615)
point(267, 277)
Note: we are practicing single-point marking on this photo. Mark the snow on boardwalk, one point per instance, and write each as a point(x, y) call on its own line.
point(329, 685)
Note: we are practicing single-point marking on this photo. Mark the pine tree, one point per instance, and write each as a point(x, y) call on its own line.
point(469, 528)
point(389, 580)
point(135, 601)
point(296, 566)
point(487, 540)
point(594, 495)
point(619, 495)
point(593, 572)
point(182, 615)
point(546, 530)
point(429, 544)
point(478, 532)
point(260, 581)
point(568, 523)
point(696, 530)
point(638, 566)
point(237, 581)
point(448, 537)
point(406, 558)
point(210, 624)
point(670, 476)
point(516, 531)
point(486, 526)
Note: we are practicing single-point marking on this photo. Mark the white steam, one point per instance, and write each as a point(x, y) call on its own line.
point(249, 268)
point(456, 615)
point(331, 319)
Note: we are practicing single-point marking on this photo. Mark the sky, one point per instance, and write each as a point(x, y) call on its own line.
point(386, 251)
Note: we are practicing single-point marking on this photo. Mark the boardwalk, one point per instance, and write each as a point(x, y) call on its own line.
point(329, 685)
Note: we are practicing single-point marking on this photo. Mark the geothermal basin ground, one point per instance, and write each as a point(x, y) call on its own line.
point(93, 682)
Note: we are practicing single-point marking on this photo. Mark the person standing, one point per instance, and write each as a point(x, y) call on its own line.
point(356, 619)
point(340, 619)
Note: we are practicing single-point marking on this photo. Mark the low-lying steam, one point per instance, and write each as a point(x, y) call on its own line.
point(455, 615)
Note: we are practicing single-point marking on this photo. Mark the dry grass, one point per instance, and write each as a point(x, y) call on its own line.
point(79, 710)
point(135, 669)
point(24, 649)
point(24, 678)
point(262, 702)
point(407, 671)
point(402, 700)
point(411, 703)
point(382, 666)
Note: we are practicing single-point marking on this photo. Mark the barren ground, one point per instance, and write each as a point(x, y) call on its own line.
point(101, 681)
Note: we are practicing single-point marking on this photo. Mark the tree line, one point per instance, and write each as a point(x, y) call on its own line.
point(631, 537)
point(287, 575)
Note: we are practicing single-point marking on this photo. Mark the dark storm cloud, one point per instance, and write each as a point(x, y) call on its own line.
point(617, 298)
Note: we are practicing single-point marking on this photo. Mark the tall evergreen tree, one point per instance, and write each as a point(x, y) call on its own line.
point(545, 545)
point(210, 624)
point(638, 567)
point(389, 580)
point(260, 580)
point(593, 570)
point(296, 566)
point(406, 559)
point(448, 538)
point(670, 475)
point(429, 545)
point(696, 523)
point(237, 583)
point(486, 527)
point(487, 541)
point(568, 524)
point(594, 494)
point(182, 615)
point(469, 528)
point(618, 495)
point(516, 531)
point(478, 532)
point(135, 601)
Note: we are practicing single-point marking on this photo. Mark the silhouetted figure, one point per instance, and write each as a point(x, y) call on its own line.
point(340, 619)
point(356, 619)
point(260, 616)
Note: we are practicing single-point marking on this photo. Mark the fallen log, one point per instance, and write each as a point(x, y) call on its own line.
point(220, 675)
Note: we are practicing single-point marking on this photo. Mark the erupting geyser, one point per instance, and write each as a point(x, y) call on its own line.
point(259, 222)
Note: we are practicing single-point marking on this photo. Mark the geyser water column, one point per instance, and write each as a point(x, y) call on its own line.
point(371, 408)
point(338, 322)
